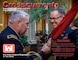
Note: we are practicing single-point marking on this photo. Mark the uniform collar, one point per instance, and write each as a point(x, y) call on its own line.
point(14, 31)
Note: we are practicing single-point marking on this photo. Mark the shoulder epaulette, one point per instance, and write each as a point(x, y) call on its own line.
point(11, 36)
point(73, 28)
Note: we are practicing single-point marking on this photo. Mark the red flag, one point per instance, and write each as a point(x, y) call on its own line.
point(65, 22)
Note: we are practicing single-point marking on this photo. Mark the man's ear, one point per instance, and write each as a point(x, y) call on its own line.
point(18, 22)
point(63, 16)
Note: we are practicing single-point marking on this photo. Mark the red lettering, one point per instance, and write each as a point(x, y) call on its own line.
point(35, 5)
point(29, 5)
point(51, 5)
point(44, 5)
point(18, 5)
point(13, 5)
point(56, 5)
point(5, 4)
point(22, 5)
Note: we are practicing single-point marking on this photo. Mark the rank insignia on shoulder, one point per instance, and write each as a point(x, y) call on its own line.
point(11, 36)
point(73, 28)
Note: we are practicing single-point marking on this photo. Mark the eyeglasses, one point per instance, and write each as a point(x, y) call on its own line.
point(55, 18)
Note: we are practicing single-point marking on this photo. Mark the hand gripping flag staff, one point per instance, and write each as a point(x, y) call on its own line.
point(69, 17)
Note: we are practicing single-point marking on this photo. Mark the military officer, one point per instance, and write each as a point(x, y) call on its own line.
point(18, 23)
point(56, 17)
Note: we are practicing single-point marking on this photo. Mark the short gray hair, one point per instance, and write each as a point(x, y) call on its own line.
point(60, 10)
point(17, 14)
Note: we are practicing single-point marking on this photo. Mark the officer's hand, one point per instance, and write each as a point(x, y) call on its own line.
point(46, 49)
point(49, 43)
